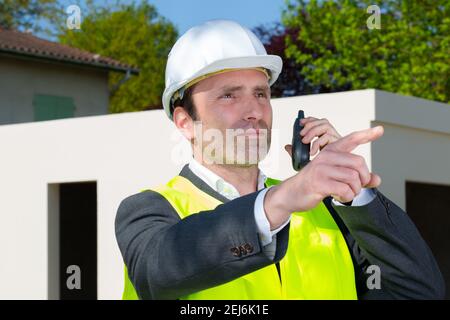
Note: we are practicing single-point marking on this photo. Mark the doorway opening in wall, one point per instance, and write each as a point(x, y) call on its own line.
point(428, 206)
point(72, 241)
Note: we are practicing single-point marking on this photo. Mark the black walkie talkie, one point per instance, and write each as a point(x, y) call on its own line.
point(300, 150)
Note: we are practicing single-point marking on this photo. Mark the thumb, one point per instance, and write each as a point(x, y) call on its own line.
point(375, 181)
point(288, 148)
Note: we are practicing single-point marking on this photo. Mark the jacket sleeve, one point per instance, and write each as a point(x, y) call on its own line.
point(168, 257)
point(382, 234)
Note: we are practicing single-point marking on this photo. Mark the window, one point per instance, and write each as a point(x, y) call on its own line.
point(47, 107)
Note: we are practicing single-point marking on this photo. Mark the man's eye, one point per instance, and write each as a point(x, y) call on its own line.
point(227, 96)
point(261, 95)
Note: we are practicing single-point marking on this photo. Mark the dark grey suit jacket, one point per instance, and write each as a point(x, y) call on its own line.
point(168, 257)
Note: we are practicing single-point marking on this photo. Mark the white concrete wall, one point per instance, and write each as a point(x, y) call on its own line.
point(127, 152)
point(415, 146)
point(21, 79)
point(123, 153)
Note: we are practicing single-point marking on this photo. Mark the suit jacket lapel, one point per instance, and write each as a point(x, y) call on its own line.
point(202, 185)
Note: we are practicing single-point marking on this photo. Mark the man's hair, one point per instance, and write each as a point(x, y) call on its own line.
point(187, 103)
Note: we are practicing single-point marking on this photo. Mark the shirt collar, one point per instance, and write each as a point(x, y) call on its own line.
point(217, 183)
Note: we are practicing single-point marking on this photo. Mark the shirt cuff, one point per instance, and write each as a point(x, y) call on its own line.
point(270, 249)
point(262, 223)
point(364, 197)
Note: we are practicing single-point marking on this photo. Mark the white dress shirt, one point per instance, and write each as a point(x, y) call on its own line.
point(267, 236)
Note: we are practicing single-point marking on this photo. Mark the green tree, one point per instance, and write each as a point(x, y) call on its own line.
point(28, 15)
point(408, 55)
point(291, 81)
point(133, 34)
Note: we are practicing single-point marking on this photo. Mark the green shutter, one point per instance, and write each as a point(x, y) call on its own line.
point(48, 107)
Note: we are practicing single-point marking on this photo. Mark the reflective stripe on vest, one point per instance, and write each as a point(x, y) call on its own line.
point(317, 264)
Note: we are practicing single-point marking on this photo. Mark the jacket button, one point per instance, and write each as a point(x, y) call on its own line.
point(235, 251)
point(248, 248)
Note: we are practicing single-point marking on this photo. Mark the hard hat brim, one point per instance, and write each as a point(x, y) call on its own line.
point(272, 63)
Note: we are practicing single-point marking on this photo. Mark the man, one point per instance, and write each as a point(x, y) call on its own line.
point(222, 230)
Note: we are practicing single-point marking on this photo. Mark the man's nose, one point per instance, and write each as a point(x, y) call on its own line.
point(253, 111)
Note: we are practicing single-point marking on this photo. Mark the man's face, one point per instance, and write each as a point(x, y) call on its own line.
point(233, 104)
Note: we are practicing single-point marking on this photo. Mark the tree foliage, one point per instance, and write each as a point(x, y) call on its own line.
point(27, 15)
point(291, 81)
point(408, 55)
point(133, 34)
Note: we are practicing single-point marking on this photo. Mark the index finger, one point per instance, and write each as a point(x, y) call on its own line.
point(305, 120)
point(354, 139)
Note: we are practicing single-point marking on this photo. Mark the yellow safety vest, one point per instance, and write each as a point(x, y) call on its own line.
point(317, 264)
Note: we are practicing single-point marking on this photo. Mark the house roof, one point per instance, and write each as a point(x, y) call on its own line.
point(13, 42)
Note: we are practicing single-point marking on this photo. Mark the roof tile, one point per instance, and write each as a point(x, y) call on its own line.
point(15, 42)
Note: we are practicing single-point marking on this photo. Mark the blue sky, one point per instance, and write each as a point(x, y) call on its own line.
point(185, 14)
point(250, 13)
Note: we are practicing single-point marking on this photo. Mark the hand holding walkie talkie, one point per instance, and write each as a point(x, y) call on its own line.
point(335, 171)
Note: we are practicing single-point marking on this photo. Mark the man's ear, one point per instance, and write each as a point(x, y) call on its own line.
point(183, 122)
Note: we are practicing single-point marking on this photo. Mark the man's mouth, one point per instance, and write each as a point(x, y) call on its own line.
point(252, 132)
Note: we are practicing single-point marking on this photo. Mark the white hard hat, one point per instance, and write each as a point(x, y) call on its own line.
point(211, 47)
